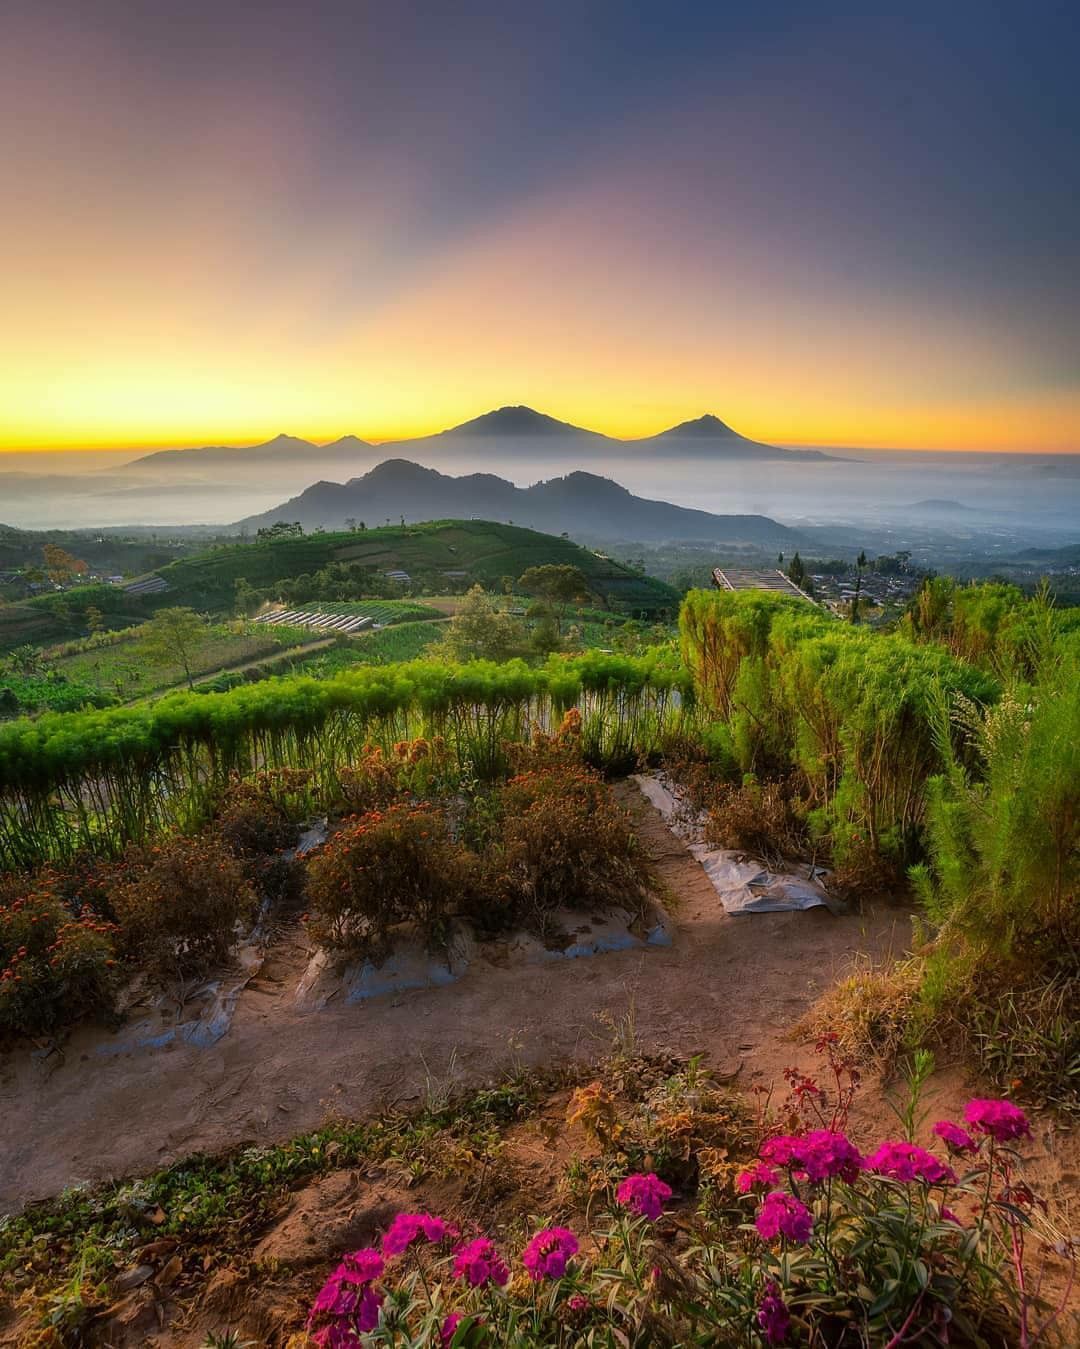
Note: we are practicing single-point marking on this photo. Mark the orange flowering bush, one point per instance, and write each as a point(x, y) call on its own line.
point(416, 768)
point(382, 869)
point(180, 903)
point(57, 964)
point(562, 841)
point(251, 821)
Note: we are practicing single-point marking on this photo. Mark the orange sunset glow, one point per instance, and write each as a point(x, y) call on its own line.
point(210, 244)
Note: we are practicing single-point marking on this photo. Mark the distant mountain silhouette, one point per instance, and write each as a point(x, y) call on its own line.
point(517, 421)
point(282, 448)
point(503, 435)
point(583, 505)
point(708, 437)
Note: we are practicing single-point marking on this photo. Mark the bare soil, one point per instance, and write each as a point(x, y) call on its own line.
point(730, 988)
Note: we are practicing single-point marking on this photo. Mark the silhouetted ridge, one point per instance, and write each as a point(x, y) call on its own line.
point(581, 504)
point(516, 421)
point(707, 425)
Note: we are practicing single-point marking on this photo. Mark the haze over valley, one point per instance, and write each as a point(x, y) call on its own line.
point(913, 499)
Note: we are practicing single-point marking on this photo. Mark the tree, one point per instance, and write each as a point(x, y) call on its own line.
point(245, 597)
point(860, 564)
point(480, 630)
point(282, 529)
point(95, 619)
point(62, 565)
point(796, 571)
point(173, 636)
point(560, 584)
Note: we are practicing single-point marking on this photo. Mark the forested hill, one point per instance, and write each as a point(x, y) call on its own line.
point(440, 554)
point(583, 504)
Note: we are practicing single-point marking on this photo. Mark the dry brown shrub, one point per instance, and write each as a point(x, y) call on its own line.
point(180, 902)
point(563, 842)
point(251, 822)
point(757, 818)
point(865, 873)
point(383, 869)
point(870, 1011)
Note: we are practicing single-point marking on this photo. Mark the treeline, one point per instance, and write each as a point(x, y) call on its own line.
point(99, 780)
point(994, 624)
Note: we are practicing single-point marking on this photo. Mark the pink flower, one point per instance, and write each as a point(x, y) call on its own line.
point(948, 1216)
point(578, 1303)
point(773, 1316)
point(825, 1153)
point(816, 1156)
point(478, 1263)
point(409, 1227)
point(908, 1162)
point(783, 1214)
point(1002, 1120)
point(954, 1137)
point(449, 1326)
point(783, 1150)
point(644, 1194)
point(347, 1304)
point(547, 1255)
point(759, 1176)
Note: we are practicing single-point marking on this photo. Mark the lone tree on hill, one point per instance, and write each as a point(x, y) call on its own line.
point(173, 636)
point(797, 571)
point(62, 565)
point(559, 584)
point(481, 630)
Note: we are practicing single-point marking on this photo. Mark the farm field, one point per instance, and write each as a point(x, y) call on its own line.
point(117, 671)
point(413, 853)
point(485, 552)
point(382, 611)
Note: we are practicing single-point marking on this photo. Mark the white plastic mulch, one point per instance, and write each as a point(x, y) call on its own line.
point(744, 886)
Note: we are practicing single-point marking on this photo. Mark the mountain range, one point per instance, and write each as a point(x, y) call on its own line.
point(506, 432)
point(583, 505)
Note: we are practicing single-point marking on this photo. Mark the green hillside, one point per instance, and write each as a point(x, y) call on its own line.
point(485, 552)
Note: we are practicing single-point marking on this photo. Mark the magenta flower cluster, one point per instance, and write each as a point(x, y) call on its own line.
point(817, 1156)
point(1002, 1120)
point(549, 1252)
point(908, 1162)
point(348, 1302)
point(781, 1214)
point(645, 1194)
point(478, 1263)
point(760, 1176)
point(410, 1227)
point(773, 1316)
point(955, 1138)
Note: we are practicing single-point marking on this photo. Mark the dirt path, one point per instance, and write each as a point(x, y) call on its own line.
point(728, 987)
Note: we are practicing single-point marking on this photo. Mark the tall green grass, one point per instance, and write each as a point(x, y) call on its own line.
point(853, 711)
point(99, 780)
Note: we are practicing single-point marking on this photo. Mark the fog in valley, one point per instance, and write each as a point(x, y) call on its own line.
point(986, 501)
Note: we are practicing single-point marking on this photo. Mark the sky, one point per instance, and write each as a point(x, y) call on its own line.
point(827, 223)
